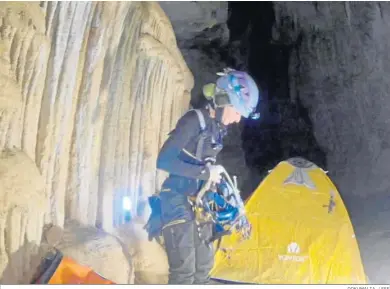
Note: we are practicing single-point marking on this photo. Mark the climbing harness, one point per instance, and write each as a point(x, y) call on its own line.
point(154, 226)
point(217, 204)
point(203, 133)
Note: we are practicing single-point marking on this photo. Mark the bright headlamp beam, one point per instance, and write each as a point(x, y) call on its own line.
point(126, 204)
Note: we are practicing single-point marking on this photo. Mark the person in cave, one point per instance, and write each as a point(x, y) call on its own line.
point(190, 162)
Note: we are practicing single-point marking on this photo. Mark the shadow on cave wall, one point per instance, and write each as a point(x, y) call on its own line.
point(285, 129)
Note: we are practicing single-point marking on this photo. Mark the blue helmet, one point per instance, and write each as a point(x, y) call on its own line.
point(242, 91)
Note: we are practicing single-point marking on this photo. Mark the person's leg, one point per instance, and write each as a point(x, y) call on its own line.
point(180, 248)
point(204, 253)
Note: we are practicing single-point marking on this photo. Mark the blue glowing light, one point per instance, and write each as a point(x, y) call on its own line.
point(126, 204)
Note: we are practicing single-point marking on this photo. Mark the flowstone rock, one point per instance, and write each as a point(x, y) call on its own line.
point(88, 94)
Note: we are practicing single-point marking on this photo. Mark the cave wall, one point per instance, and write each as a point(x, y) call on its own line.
point(88, 94)
point(283, 130)
point(339, 69)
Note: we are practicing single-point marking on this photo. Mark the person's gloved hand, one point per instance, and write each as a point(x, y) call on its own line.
point(154, 224)
point(215, 173)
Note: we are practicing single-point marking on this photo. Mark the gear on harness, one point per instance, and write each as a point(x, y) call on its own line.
point(222, 204)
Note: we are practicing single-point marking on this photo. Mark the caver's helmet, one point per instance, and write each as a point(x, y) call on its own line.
point(236, 88)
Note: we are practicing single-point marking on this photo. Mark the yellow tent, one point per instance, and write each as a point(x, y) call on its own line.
point(301, 233)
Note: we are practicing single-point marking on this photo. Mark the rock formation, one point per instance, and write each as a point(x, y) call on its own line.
point(149, 260)
point(22, 211)
point(98, 250)
point(339, 71)
point(88, 93)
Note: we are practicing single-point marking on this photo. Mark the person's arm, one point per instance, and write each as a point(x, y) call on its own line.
point(168, 159)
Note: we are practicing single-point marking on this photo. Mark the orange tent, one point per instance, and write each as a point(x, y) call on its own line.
point(57, 269)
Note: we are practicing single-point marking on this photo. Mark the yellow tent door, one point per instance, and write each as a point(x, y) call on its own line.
point(301, 233)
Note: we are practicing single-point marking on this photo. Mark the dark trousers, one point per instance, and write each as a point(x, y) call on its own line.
point(190, 255)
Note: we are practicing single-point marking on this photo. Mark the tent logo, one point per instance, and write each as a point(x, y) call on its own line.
point(293, 248)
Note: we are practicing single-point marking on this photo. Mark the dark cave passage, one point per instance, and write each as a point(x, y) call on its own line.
point(285, 129)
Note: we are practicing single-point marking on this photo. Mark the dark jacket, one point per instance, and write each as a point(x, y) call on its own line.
point(186, 172)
